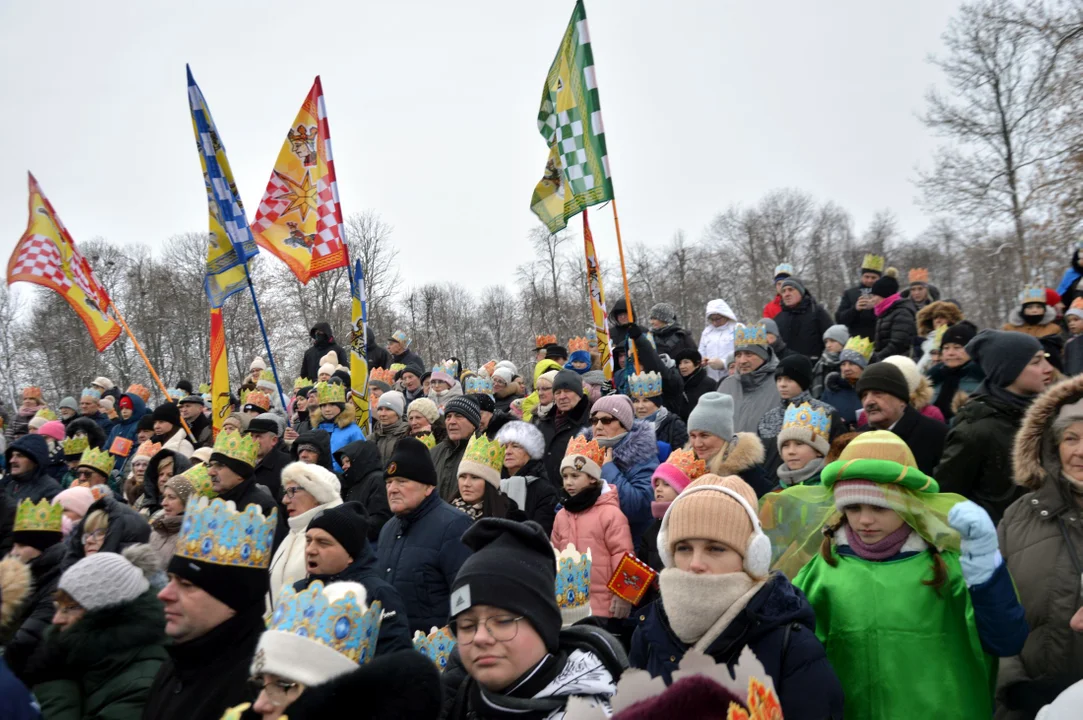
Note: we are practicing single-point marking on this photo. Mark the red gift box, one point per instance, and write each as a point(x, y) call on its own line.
point(631, 579)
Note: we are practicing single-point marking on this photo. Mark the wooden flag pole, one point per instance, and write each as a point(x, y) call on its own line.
point(624, 277)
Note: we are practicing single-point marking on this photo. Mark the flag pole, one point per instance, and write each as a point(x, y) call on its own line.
point(624, 277)
point(267, 344)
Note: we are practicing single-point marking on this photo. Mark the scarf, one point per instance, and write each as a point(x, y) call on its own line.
point(543, 691)
point(830, 358)
point(789, 478)
point(583, 501)
point(543, 411)
point(658, 416)
point(166, 525)
point(658, 508)
point(700, 607)
point(948, 387)
point(886, 547)
point(1009, 398)
point(884, 305)
point(474, 510)
point(608, 442)
point(771, 423)
point(1033, 319)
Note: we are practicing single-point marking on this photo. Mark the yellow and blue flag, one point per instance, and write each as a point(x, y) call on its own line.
point(359, 366)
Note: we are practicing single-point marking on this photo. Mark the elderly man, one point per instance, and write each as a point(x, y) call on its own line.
point(753, 387)
point(271, 458)
point(420, 549)
point(571, 412)
point(398, 347)
point(27, 478)
point(885, 398)
point(462, 418)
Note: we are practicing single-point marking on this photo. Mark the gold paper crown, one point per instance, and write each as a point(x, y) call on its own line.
point(148, 449)
point(486, 452)
point(862, 346)
point(938, 336)
point(99, 460)
point(875, 263)
point(542, 340)
point(32, 393)
point(1077, 304)
point(75, 445)
point(381, 375)
point(919, 275)
point(573, 578)
point(303, 382)
point(140, 391)
point(242, 448)
point(45, 414)
point(750, 335)
point(40, 517)
point(204, 388)
point(588, 448)
point(215, 532)
point(428, 440)
point(267, 376)
point(257, 398)
point(687, 462)
point(578, 343)
point(1032, 294)
point(331, 393)
point(200, 480)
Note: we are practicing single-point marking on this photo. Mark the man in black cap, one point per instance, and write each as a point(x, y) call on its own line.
point(410, 379)
point(420, 551)
point(885, 399)
point(191, 409)
point(792, 379)
point(337, 550)
point(977, 458)
point(271, 458)
point(571, 412)
point(230, 469)
point(462, 419)
point(508, 630)
point(803, 321)
point(556, 353)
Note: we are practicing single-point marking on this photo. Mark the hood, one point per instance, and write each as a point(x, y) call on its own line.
point(34, 447)
point(1035, 458)
point(139, 409)
point(619, 307)
point(364, 460)
point(342, 420)
point(325, 328)
point(370, 338)
point(319, 438)
point(940, 308)
point(150, 487)
point(746, 453)
point(543, 367)
point(93, 431)
point(1015, 317)
point(637, 447)
point(111, 633)
point(719, 306)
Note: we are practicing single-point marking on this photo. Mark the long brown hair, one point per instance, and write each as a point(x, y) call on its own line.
point(940, 570)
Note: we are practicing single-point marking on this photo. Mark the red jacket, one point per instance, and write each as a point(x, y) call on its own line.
point(773, 308)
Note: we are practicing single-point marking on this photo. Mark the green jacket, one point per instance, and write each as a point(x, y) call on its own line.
point(102, 667)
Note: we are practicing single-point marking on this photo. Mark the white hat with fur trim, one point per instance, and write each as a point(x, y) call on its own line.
point(525, 436)
point(316, 480)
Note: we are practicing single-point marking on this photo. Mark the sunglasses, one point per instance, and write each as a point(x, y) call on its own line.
point(607, 421)
point(84, 473)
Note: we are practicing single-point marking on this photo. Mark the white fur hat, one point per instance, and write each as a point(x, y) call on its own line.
point(331, 358)
point(510, 366)
point(316, 480)
point(909, 370)
point(503, 373)
point(525, 435)
point(257, 364)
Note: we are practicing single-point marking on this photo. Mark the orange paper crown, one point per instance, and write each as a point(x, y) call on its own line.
point(32, 393)
point(588, 448)
point(542, 340)
point(140, 391)
point(382, 375)
point(687, 462)
point(578, 343)
point(257, 398)
point(1077, 304)
point(919, 275)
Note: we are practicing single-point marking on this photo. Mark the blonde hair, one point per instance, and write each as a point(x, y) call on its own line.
point(97, 520)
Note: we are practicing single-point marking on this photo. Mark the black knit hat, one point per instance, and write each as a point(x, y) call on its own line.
point(37, 539)
point(413, 370)
point(348, 524)
point(167, 412)
point(568, 380)
point(513, 568)
point(797, 368)
point(146, 423)
point(343, 376)
point(885, 287)
point(411, 461)
point(554, 351)
point(1002, 355)
point(688, 354)
point(884, 377)
point(185, 385)
point(242, 588)
point(464, 406)
point(960, 333)
point(485, 402)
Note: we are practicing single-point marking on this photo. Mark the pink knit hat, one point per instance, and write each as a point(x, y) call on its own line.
point(53, 429)
point(680, 469)
point(77, 499)
point(619, 406)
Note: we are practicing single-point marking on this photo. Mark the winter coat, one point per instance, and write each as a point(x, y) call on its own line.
point(126, 428)
point(408, 358)
point(364, 483)
point(717, 342)
point(824, 367)
point(696, 385)
point(126, 527)
point(205, 676)
point(604, 529)
point(924, 436)
point(559, 428)
point(288, 563)
point(977, 458)
point(964, 379)
point(152, 501)
point(1041, 539)
point(753, 394)
point(177, 441)
point(386, 438)
point(896, 328)
point(773, 308)
point(8, 508)
point(531, 491)
point(310, 363)
point(246, 493)
point(31, 600)
point(268, 471)
point(375, 355)
point(858, 322)
point(672, 339)
point(771, 425)
point(618, 334)
point(19, 425)
point(745, 460)
point(778, 626)
point(670, 430)
point(841, 395)
point(16, 702)
point(1048, 325)
point(446, 457)
point(103, 422)
point(321, 439)
point(202, 431)
point(395, 632)
point(103, 665)
point(38, 485)
point(635, 458)
point(802, 327)
point(1073, 356)
point(163, 535)
point(343, 431)
point(504, 398)
point(420, 552)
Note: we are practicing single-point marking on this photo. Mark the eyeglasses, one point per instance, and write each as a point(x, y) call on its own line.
point(607, 421)
point(293, 490)
point(66, 609)
point(502, 628)
point(84, 473)
point(278, 691)
point(95, 535)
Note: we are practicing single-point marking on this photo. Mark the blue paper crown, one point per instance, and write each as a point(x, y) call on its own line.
point(784, 269)
point(750, 335)
point(806, 417)
point(92, 392)
point(436, 646)
point(645, 385)
point(479, 384)
point(215, 532)
point(345, 625)
point(573, 578)
point(1032, 295)
point(175, 394)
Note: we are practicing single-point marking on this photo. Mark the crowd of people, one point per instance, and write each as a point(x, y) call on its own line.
point(883, 505)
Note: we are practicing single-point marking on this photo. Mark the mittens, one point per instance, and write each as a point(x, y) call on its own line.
point(979, 553)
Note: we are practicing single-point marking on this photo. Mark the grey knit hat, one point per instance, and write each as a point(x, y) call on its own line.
point(1002, 355)
point(103, 579)
point(838, 333)
point(69, 403)
point(664, 313)
point(770, 326)
point(714, 414)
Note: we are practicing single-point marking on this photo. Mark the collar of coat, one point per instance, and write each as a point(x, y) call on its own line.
point(745, 453)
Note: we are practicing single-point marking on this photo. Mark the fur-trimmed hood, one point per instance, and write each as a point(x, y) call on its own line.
point(1034, 457)
point(14, 587)
point(638, 446)
point(1015, 317)
point(737, 457)
point(922, 395)
point(939, 308)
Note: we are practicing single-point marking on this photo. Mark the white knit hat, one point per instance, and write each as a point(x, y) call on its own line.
point(103, 579)
point(327, 368)
point(103, 382)
point(525, 435)
point(316, 480)
point(257, 364)
point(504, 374)
point(509, 365)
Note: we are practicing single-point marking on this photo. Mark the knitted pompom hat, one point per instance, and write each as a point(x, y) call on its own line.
point(102, 580)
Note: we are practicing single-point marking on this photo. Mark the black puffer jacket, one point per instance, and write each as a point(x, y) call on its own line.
point(802, 327)
point(364, 483)
point(696, 385)
point(671, 430)
point(152, 500)
point(321, 439)
point(310, 364)
point(376, 356)
point(558, 429)
point(858, 322)
point(126, 527)
point(671, 339)
point(895, 331)
point(539, 503)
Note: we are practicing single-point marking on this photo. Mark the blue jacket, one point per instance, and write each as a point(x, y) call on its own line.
point(778, 625)
point(841, 395)
point(998, 615)
point(341, 437)
point(127, 428)
point(16, 702)
point(103, 422)
point(420, 553)
point(635, 459)
point(394, 628)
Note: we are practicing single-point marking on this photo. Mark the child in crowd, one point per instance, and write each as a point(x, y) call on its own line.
point(802, 445)
point(669, 479)
point(835, 339)
point(1073, 349)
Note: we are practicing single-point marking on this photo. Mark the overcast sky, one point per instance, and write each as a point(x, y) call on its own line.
point(432, 107)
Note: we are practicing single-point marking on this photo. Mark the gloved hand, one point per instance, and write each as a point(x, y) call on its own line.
point(634, 331)
point(979, 553)
point(620, 608)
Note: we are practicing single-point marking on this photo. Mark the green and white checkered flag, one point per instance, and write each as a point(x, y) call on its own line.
point(570, 119)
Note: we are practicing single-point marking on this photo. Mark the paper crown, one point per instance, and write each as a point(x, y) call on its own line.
point(204, 388)
point(873, 263)
point(91, 393)
point(148, 449)
point(645, 385)
point(214, 532)
point(140, 391)
point(40, 517)
point(267, 376)
point(395, 368)
point(400, 336)
point(436, 646)
point(804, 417)
point(428, 440)
point(75, 445)
point(200, 480)
point(99, 460)
point(750, 335)
point(579, 445)
point(484, 451)
point(784, 269)
point(477, 384)
point(1032, 295)
point(344, 625)
point(45, 414)
point(919, 275)
point(1077, 304)
point(687, 462)
point(256, 398)
point(542, 340)
point(381, 375)
point(573, 583)
point(242, 448)
point(176, 394)
point(32, 393)
point(861, 345)
point(303, 382)
point(938, 336)
point(578, 343)
point(331, 393)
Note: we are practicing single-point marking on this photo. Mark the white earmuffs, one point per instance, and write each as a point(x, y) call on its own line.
point(758, 554)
